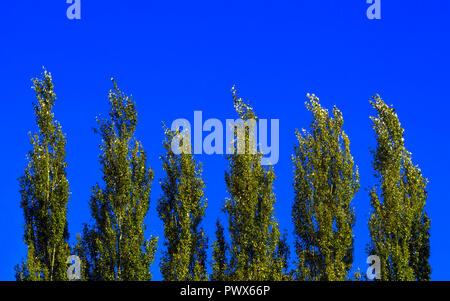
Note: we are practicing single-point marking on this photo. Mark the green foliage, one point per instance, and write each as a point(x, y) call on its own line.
point(182, 208)
point(220, 260)
point(45, 193)
point(399, 226)
point(325, 183)
point(283, 254)
point(114, 247)
point(252, 226)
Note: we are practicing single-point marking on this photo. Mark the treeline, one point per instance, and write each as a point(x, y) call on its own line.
point(113, 246)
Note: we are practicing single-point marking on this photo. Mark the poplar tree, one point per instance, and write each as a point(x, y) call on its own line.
point(45, 193)
point(114, 246)
point(182, 208)
point(220, 259)
point(326, 180)
point(399, 226)
point(284, 255)
point(250, 208)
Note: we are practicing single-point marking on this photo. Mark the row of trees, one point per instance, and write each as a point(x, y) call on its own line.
point(326, 180)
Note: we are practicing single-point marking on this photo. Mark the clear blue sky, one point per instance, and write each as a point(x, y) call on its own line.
point(179, 56)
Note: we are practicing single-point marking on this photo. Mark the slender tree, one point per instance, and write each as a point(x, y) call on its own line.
point(114, 247)
point(284, 254)
point(220, 259)
point(250, 208)
point(325, 183)
point(45, 193)
point(182, 208)
point(399, 226)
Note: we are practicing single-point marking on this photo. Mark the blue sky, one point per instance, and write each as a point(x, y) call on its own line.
point(179, 56)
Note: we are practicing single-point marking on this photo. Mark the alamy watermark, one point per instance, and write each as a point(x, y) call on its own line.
point(74, 10)
point(74, 271)
point(374, 269)
point(374, 10)
point(249, 136)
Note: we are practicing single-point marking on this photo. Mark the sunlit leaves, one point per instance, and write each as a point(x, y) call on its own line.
point(326, 180)
point(45, 192)
point(399, 225)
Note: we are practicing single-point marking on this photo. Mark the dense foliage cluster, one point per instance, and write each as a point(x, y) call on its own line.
point(114, 246)
point(399, 226)
point(45, 193)
point(325, 183)
point(182, 208)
